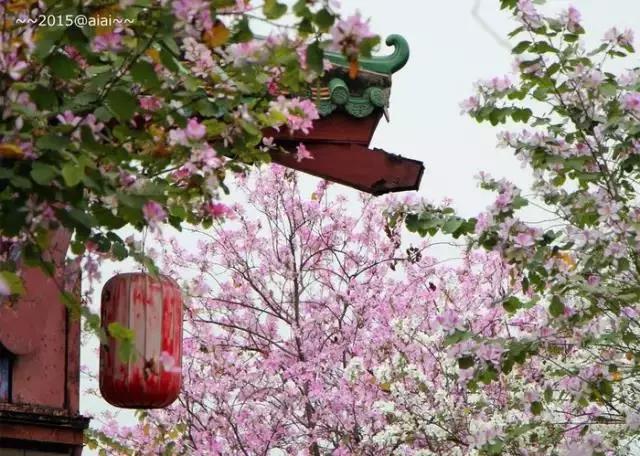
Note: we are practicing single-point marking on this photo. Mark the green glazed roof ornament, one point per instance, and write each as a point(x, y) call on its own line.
point(362, 105)
point(387, 64)
point(369, 91)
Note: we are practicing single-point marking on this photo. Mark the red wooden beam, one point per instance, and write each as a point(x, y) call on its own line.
point(337, 128)
point(339, 147)
point(372, 171)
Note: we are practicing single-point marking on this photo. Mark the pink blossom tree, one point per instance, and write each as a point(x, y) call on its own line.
point(571, 361)
point(311, 331)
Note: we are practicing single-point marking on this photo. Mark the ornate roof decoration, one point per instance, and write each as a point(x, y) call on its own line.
point(370, 91)
point(340, 140)
point(387, 64)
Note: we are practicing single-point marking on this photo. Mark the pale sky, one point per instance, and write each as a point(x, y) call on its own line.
point(449, 51)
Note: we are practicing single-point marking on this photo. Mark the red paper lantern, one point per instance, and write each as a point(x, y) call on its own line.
point(152, 308)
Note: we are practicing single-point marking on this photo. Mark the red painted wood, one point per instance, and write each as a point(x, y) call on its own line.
point(44, 340)
point(372, 171)
point(34, 330)
point(152, 308)
point(32, 311)
point(72, 382)
point(43, 435)
point(336, 128)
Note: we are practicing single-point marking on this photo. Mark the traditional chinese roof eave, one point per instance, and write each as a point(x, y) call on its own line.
point(350, 109)
point(370, 91)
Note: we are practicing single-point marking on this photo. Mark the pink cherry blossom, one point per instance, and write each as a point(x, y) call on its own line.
point(347, 34)
point(111, 41)
point(626, 38)
point(524, 240)
point(490, 353)
point(300, 113)
point(468, 105)
point(5, 290)
point(126, 179)
point(241, 54)
point(631, 101)
point(449, 320)
point(68, 118)
point(614, 36)
point(168, 362)
point(216, 209)
point(195, 131)
point(11, 64)
point(529, 14)
point(73, 53)
point(150, 103)
point(303, 153)
point(571, 18)
point(178, 136)
point(154, 213)
point(187, 10)
point(200, 56)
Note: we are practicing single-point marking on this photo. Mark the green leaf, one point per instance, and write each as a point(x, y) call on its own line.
point(494, 448)
point(12, 281)
point(20, 182)
point(83, 99)
point(125, 337)
point(44, 45)
point(144, 73)
point(557, 307)
point(521, 47)
point(83, 218)
point(250, 128)
point(521, 114)
point(536, 408)
point(457, 337)
point(548, 394)
point(465, 362)
point(452, 225)
point(368, 44)
point(273, 9)
point(52, 142)
point(122, 104)
point(511, 304)
point(72, 174)
point(488, 375)
point(170, 43)
point(242, 32)
point(324, 19)
point(301, 9)
point(542, 47)
point(44, 98)
point(119, 332)
point(62, 66)
point(214, 127)
point(412, 222)
point(570, 37)
point(72, 302)
point(42, 173)
point(305, 27)
point(119, 250)
point(315, 57)
point(519, 202)
point(606, 388)
point(609, 89)
point(168, 60)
